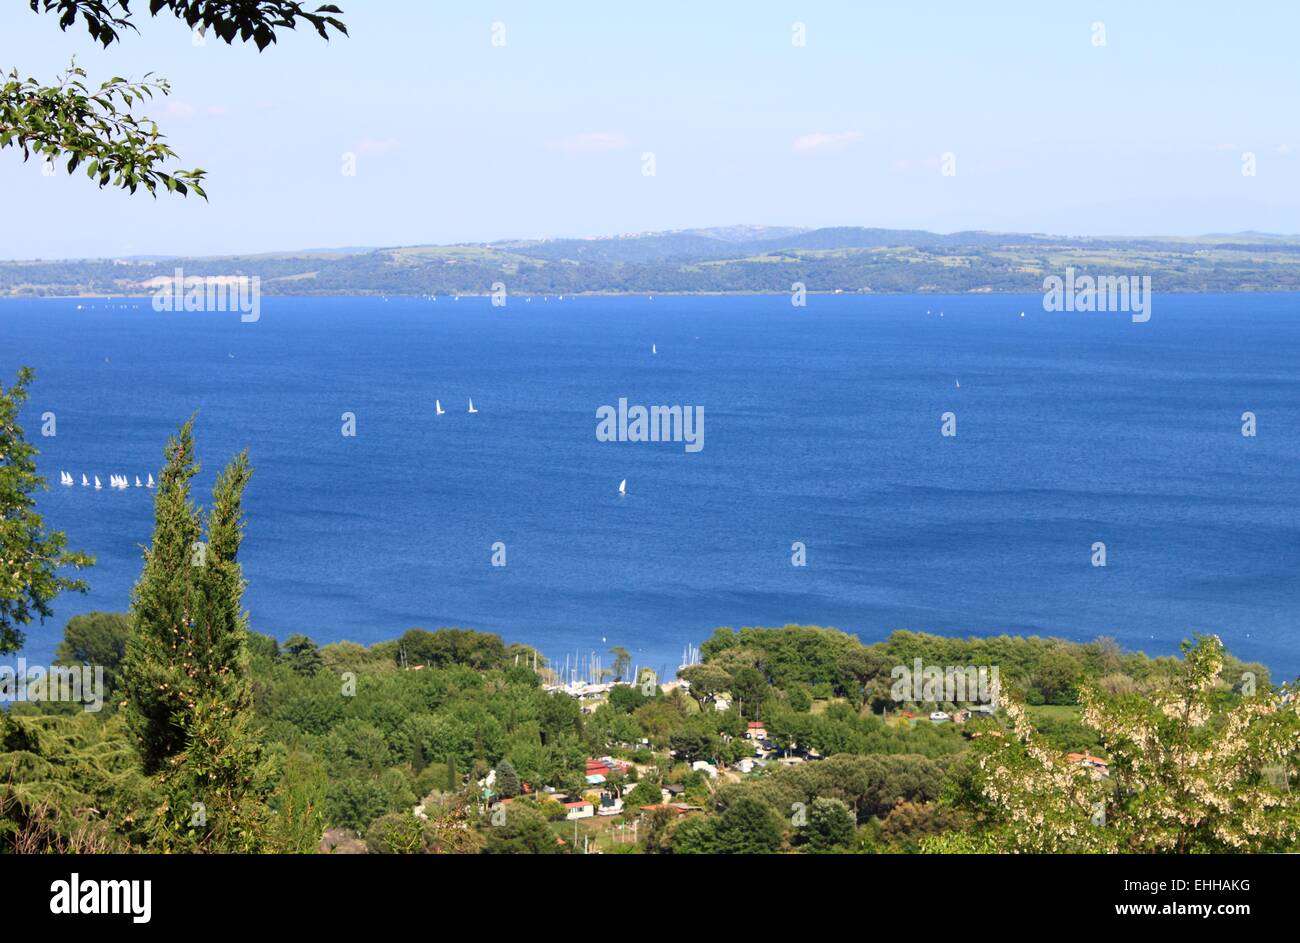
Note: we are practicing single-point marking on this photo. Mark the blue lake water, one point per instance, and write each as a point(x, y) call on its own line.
point(822, 425)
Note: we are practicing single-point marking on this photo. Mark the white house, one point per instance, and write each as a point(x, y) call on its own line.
point(581, 809)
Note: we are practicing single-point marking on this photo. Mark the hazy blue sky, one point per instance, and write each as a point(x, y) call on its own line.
point(459, 140)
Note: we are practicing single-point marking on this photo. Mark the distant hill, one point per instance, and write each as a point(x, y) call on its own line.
point(723, 259)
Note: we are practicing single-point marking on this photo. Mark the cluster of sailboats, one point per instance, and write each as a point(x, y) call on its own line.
point(119, 482)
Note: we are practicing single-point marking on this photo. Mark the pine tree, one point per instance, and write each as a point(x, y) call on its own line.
point(189, 698)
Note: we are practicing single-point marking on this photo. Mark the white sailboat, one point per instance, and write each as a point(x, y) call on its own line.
point(437, 407)
point(959, 384)
point(149, 483)
point(471, 406)
point(137, 482)
point(84, 481)
point(654, 349)
point(622, 486)
point(98, 486)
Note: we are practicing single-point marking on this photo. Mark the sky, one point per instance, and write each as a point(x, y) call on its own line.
point(460, 138)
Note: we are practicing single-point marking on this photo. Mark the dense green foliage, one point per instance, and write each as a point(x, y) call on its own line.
point(355, 741)
point(96, 638)
point(30, 556)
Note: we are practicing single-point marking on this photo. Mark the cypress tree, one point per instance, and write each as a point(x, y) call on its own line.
point(158, 676)
point(186, 674)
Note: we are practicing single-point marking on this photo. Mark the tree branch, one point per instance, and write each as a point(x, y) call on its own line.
point(95, 128)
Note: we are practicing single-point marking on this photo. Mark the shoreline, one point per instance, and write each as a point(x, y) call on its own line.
point(640, 294)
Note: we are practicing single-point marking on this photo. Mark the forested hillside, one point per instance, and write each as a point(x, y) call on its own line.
point(450, 741)
point(744, 259)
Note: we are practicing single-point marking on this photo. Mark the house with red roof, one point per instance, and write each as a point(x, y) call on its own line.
point(1095, 765)
point(579, 809)
point(599, 769)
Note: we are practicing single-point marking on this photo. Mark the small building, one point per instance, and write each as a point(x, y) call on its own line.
point(599, 769)
point(756, 730)
point(581, 809)
point(672, 792)
point(1087, 759)
point(1096, 766)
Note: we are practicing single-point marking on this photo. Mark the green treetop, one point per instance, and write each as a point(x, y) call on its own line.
point(30, 557)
